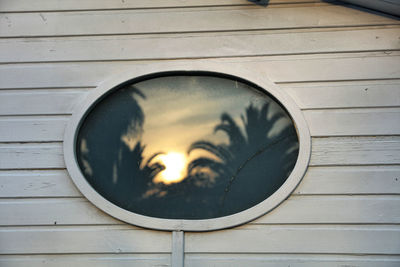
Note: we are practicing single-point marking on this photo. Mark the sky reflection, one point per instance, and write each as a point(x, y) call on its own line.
point(183, 110)
point(188, 147)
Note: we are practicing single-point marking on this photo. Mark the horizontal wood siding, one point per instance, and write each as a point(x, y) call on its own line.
point(285, 260)
point(345, 151)
point(341, 66)
point(319, 180)
point(37, 183)
point(280, 69)
point(83, 239)
point(215, 45)
point(354, 94)
point(50, 5)
point(322, 123)
point(84, 260)
point(298, 239)
point(184, 20)
point(299, 209)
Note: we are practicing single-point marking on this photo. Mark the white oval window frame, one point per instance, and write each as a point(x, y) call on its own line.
point(253, 77)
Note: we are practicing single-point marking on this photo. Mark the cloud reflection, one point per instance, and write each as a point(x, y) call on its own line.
point(187, 147)
point(190, 109)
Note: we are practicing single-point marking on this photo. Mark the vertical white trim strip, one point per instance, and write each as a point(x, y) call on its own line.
point(178, 247)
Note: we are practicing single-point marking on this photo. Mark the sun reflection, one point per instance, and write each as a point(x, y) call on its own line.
point(175, 164)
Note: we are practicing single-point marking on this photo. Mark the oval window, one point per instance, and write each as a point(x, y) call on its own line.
point(184, 147)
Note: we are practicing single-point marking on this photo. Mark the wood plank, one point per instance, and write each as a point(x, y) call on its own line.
point(247, 239)
point(295, 210)
point(345, 94)
point(347, 122)
point(28, 156)
point(52, 212)
point(184, 20)
point(325, 151)
point(37, 102)
point(51, 5)
point(317, 181)
point(197, 45)
point(49, 183)
point(306, 95)
point(301, 68)
point(285, 260)
point(351, 180)
point(77, 260)
point(178, 249)
point(335, 209)
point(38, 128)
point(297, 239)
point(355, 150)
point(90, 239)
point(199, 260)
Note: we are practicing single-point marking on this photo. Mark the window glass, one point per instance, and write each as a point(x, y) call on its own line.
point(184, 146)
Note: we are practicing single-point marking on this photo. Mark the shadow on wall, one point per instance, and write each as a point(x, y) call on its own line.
point(260, 2)
point(388, 7)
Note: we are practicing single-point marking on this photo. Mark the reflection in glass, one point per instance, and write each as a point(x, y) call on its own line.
point(187, 147)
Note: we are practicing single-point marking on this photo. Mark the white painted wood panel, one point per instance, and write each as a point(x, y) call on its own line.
point(345, 122)
point(355, 150)
point(85, 260)
point(335, 210)
point(197, 45)
point(73, 211)
point(344, 180)
point(52, 5)
point(30, 102)
point(247, 239)
point(185, 20)
point(351, 180)
point(44, 183)
point(178, 249)
point(297, 239)
point(38, 128)
point(285, 260)
point(306, 95)
point(295, 210)
point(348, 122)
point(339, 64)
point(345, 94)
point(295, 68)
point(325, 151)
point(83, 239)
point(29, 156)
point(199, 260)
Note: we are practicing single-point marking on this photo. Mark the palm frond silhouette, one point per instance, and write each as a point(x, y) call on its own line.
point(121, 171)
point(248, 157)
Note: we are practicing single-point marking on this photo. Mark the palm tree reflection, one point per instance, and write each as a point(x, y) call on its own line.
point(231, 177)
point(110, 151)
point(252, 165)
point(220, 179)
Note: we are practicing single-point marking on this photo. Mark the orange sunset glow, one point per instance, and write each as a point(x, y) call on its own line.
point(175, 166)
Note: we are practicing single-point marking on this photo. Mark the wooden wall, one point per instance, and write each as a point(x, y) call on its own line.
point(340, 64)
